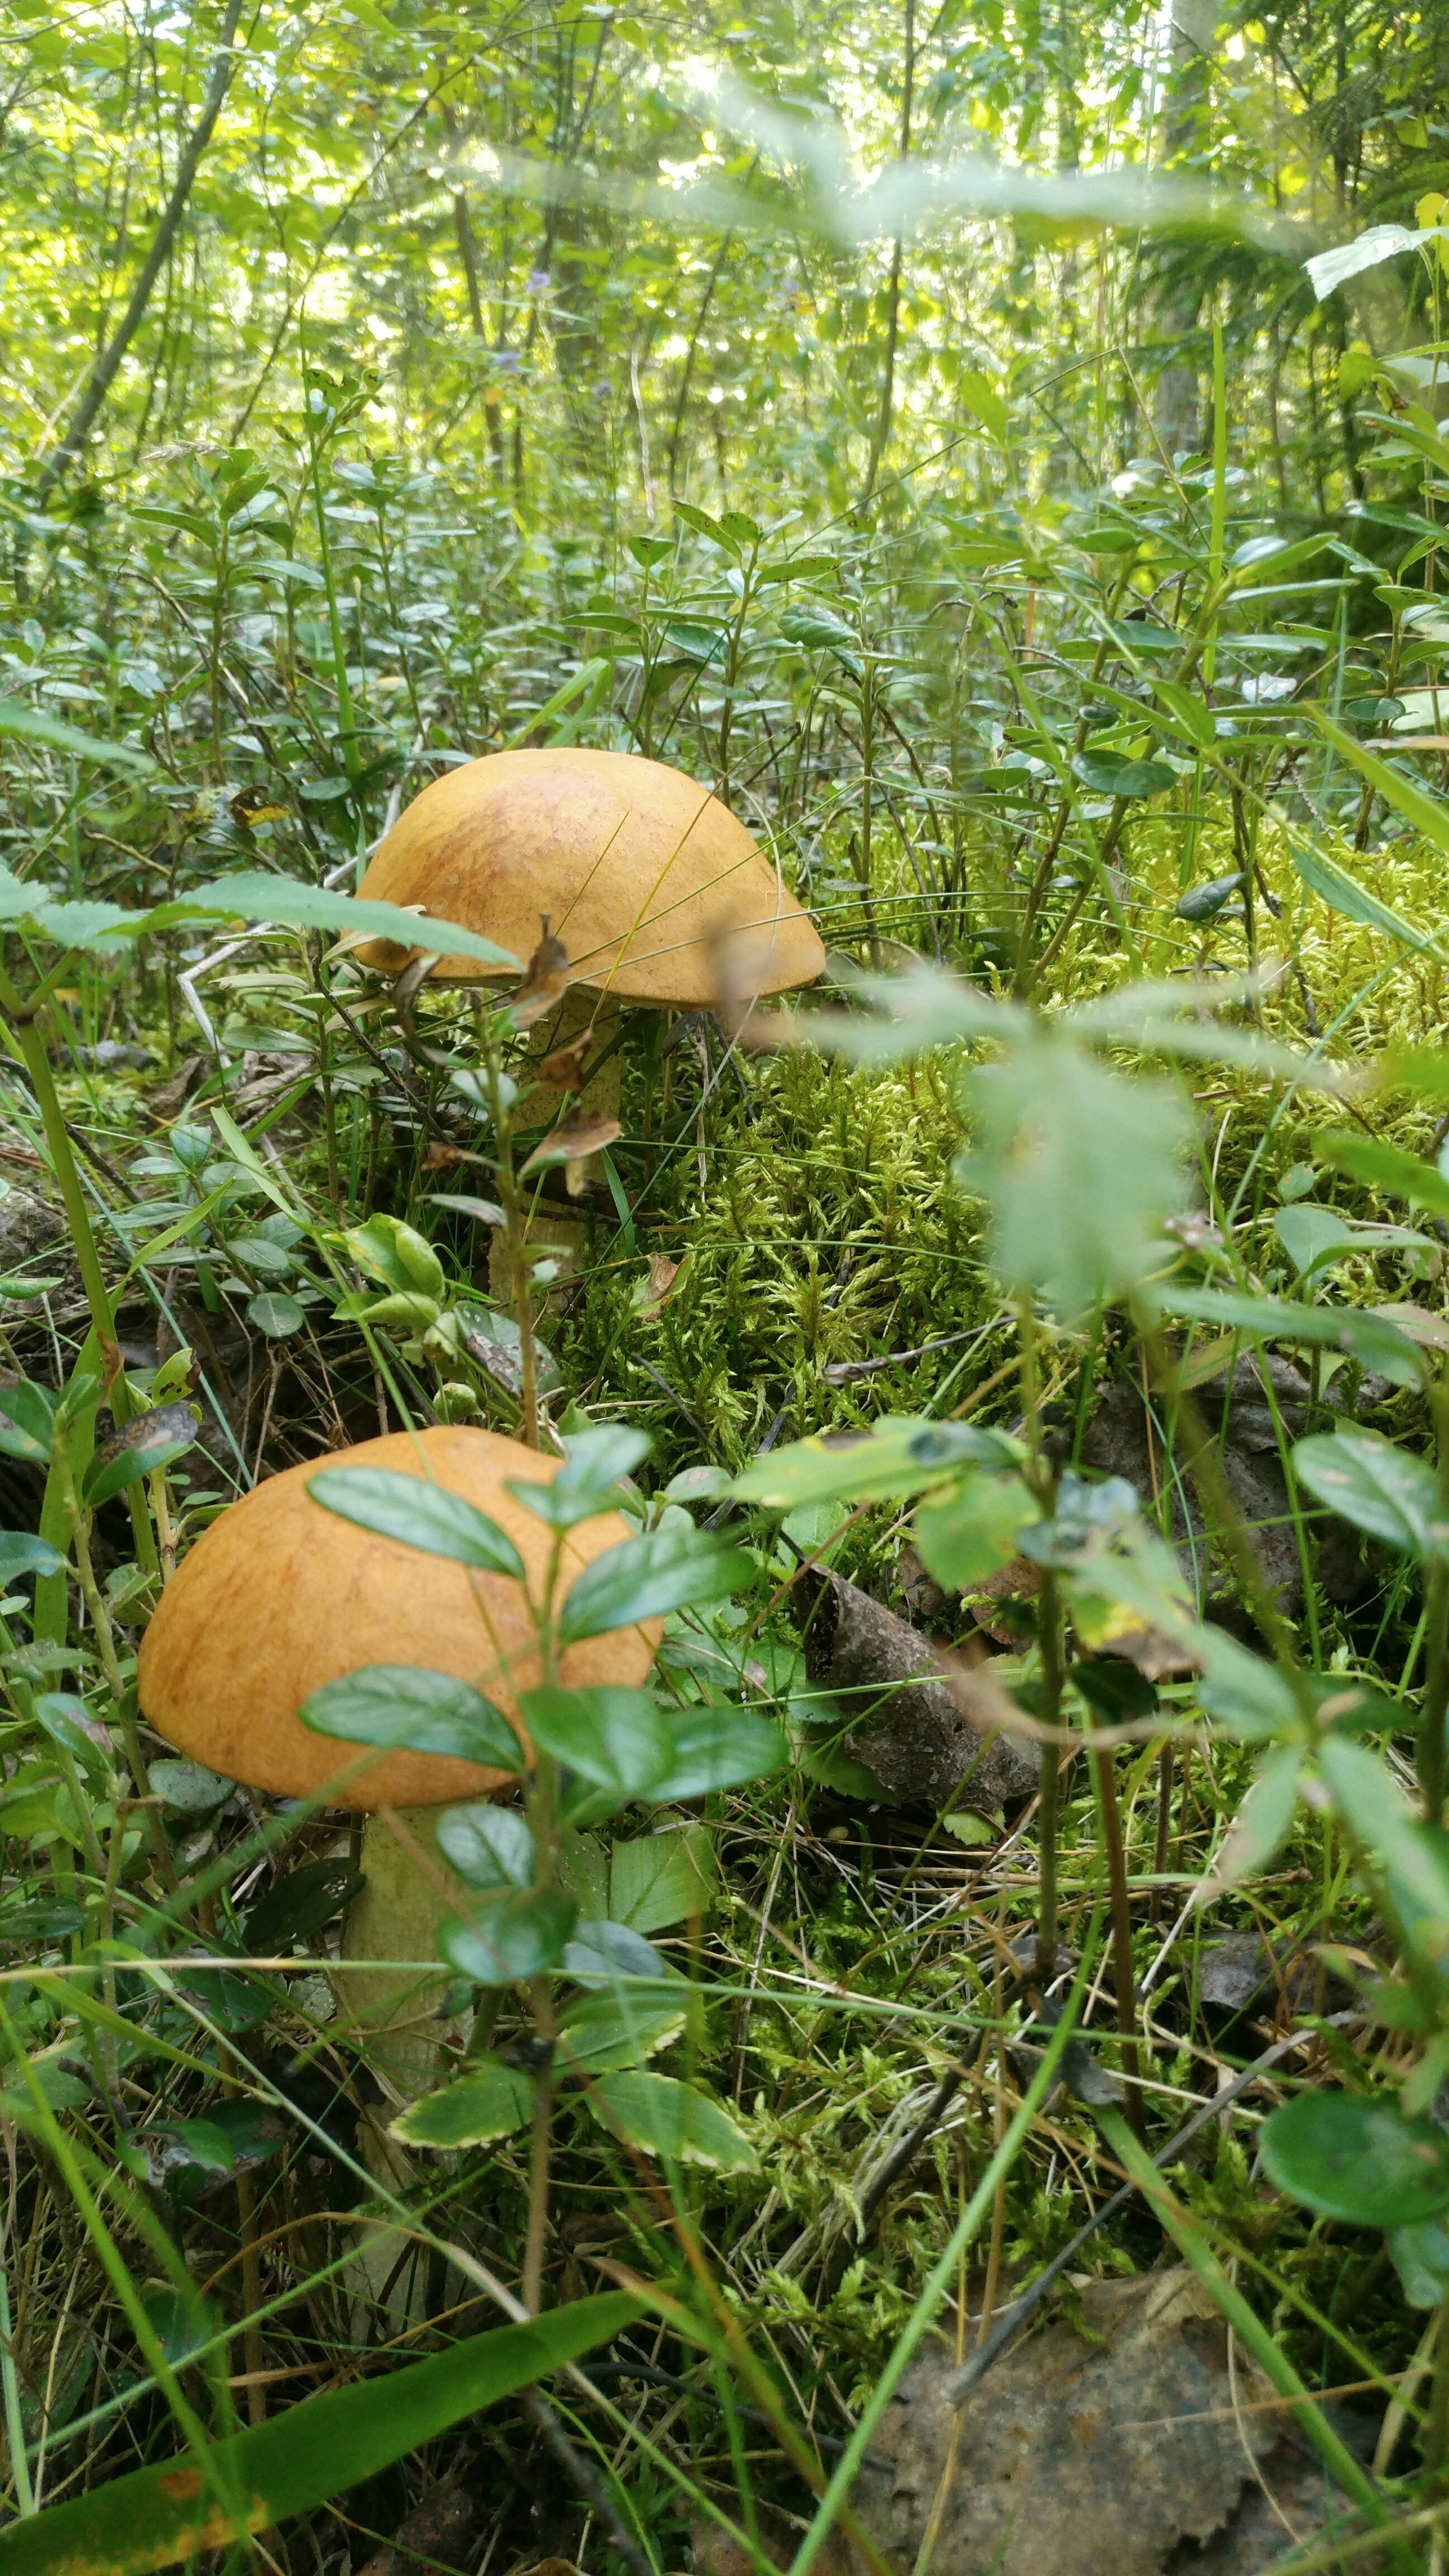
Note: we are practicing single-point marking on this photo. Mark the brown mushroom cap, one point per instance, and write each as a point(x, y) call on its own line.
point(279, 1596)
point(639, 869)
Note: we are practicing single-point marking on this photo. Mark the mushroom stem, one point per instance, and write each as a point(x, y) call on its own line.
point(409, 1888)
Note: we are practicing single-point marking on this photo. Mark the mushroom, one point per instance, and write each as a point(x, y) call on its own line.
point(279, 1597)
point(640, 872)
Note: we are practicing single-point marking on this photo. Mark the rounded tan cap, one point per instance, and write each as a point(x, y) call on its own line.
point(640, 870)
point(279, 1596)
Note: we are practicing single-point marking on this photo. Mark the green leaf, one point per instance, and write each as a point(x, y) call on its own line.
point(406, 1708)
point(1420, 2256)
point(1313, 1235)
point(490, 2101)
point(973, 1532)
point(148, 1441)
point(703, 525)
point(27, 1422)
point(488, 1846)
point(588, 1481)
point(620, 1739)
point(397, 1255)
point(276, 1316)
point(1366, 1337)
point(1378, 1486)
point(642, 1578)
point(668, 2119)
point(1385, 1167)
point(980, 396)
point(26, 724)
point(1352, 2157)
point(901, 1454)
point(512, 1935)
point(21, 1553)
point(1080, 1166)
point(1379, 1817)
point(717, 1748)
point(605, 2032)
point(662, 1878)
point(1242, 1692)
point(316, 2448)
point(292, 906)
point(189, 1788)
point(1205, 902)
point(1263, 1821)
point(1108, 774)
point(409, 1509)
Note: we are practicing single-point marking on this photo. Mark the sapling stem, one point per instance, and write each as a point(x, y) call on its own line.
point(515, 1238)
point(1121, 1935)
point(1053, 1671)
point(1049, 1619)
point(540, 2153)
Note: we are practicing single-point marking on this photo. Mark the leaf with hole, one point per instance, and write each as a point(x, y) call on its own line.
point(489, 2101)
point(406, 1708)
point(420, 1515)
point(1353, 2156)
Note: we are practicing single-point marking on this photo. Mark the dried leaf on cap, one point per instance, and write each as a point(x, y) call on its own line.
point(546, 982)
point(582, 1133)
point(564, 1069)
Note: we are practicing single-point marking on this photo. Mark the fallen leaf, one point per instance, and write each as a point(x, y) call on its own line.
point(582, 1133)
point(546, 981)
point(439, 1157)
point(1122, 2449)
point(928, 1728)
point(660, 1284)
